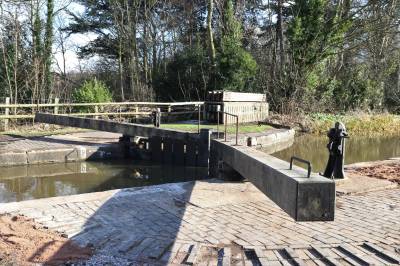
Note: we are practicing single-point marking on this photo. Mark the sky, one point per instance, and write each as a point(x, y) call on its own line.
point(72, 61)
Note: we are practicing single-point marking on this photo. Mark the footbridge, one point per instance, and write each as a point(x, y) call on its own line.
point(302, 195)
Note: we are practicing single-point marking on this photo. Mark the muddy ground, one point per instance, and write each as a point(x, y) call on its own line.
point(389, 170)
point(24, 242)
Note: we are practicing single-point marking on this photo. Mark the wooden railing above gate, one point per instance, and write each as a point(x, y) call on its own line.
point(119, 109)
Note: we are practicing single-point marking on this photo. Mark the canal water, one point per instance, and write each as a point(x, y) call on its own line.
point(27, 182)
point(358, 149)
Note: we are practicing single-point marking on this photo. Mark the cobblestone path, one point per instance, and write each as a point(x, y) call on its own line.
point(206, 223)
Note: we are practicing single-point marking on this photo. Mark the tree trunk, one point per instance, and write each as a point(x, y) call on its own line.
point(210, 32)
point(48, 48)
point(145, 39)
point(279, 35)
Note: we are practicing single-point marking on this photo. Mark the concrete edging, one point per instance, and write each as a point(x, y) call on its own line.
point(63, 155)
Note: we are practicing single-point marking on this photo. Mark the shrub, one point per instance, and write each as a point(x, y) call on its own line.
point(92, 91)
point(236, 67)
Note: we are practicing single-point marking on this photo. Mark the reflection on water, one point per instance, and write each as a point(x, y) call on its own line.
point(20, 183)
point(358, 149)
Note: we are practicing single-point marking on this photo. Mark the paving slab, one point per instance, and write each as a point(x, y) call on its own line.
point(80, 146)
point(164, 224)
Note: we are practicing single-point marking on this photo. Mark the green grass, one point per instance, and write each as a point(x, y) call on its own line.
point(357, 124)
point(40, 131)
point(231, 129)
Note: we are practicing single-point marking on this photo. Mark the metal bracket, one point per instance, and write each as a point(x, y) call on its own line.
point(302, 161)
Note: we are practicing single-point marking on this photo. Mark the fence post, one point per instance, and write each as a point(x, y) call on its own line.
point(199, 117)
point(96, 110)
point(56, 101)
point(169, 113)
point(204, 112)
point(6, 112)
point(137, 114)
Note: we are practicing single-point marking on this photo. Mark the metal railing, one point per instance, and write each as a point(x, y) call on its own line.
point(226, 125)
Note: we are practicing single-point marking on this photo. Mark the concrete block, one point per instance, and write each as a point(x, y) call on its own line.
point(14, 171)
point(276, 137)
point(52, 156)
point(13, 158)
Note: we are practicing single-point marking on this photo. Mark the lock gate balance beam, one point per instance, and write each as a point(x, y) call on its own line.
point(303, 198)
point(128, 129)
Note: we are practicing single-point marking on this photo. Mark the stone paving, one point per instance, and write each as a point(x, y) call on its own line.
point(59, 148)
point(92, 138)
point(218, 223)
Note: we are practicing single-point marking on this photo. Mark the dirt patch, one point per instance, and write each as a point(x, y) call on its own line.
point(385, 170)
point(24, 242)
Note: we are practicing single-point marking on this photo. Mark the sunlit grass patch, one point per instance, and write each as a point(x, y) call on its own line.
point(244, 128)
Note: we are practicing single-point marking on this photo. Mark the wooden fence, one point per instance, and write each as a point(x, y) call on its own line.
point(10, 111)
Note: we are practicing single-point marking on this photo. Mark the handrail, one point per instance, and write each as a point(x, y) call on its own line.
point(302, 161)
point(226, 123)
point(28, 105)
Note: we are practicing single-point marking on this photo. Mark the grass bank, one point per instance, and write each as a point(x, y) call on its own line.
point(231, 129)
point(356, 124)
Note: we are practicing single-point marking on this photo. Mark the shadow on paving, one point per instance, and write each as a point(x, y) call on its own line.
point(140, 225)
point(148, 225)
point(137, 225)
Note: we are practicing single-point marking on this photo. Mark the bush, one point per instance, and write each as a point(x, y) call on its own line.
point(92, 91)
